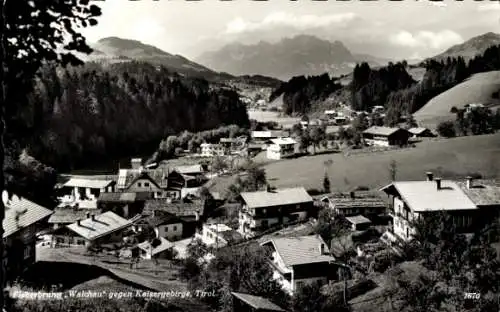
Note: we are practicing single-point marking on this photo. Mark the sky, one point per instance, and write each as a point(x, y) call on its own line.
point(409, 29)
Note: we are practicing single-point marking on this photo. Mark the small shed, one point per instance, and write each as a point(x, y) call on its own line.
point(359, 222)
point(421, 132)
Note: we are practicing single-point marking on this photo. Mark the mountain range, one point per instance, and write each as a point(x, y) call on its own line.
point(299, 55)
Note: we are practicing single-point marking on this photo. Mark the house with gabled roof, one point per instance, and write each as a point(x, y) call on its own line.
point(124, 204)
point(386, 136)
point(20, 223)
point(77, 189)
point(154, 249)
point(298, 261)
point(355, 203)
point(63, 216)
point(421, 132)
point(163, 223)
point(250, 303)
point(263, 209)
point(414, 199)
point(105, 228)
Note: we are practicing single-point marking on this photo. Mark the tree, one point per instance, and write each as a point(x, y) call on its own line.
point(218, 164)
point(326, 183)
point(31, 32)
point(393, 170)
point(446, 129)
point(309, 298)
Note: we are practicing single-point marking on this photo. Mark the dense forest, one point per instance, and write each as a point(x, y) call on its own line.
point(77, 116)
point(372, 87)
point(300, 92)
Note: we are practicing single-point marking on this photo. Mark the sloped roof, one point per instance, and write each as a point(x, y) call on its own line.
point(269, 134)
point(383, 131)
point(257, 302)
point(359, 219)
point(285, 196)
point(482, 192)
point(180, 208)
point(164, 245)
point(28, 212)
point(300, 250)
point(162, 219)
point(189, 169)
point(419, 130)
point(103, 224)
point(88, 183)
point(123, 197)
point(71, 215)
point(283, 141)
point(81, 204)
point(422, 196)
point(361, 199)
point(127, 176)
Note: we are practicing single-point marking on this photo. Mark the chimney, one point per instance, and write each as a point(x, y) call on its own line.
point(93, 217)
point(469, 182)
point(430, 176)
point(136, 163)
point(88, 215)
point(438, 183)
point(352, 194)
point(78, 222)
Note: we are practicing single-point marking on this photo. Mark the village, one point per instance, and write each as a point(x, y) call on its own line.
point(147, 215)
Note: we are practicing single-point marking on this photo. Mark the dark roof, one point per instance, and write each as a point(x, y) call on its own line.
point(71, 215)
point(124, 197)
point(383, 131)
point(361, 199)
point(128, 176)
point(27, 211)
point(231, 236)
point(182, 208)
point(482, 192)
point(162, 219)
point(257, 302)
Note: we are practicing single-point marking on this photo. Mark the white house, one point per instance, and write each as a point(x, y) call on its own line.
point(211, 150)
point(298, 261)
point(281, 148)
point(81, 189)
point(218, 235)
point(413, 199)
point(157, 248)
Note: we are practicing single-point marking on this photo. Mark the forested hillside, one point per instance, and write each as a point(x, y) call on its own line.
point(80, 115)
point(300, 92)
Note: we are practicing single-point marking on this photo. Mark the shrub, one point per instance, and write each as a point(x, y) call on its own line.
point(446, 129)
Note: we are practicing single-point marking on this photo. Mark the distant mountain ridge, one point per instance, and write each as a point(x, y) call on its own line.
point(296, 56)
point(471, 48)
point(115, 49)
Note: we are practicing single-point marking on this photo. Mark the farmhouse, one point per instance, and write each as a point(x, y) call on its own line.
point(157, 248)
point(281, 148)
point(263, 209)
point(124, 204)
point(211, 150)
point(385, 136)
point(218, 235)
point(20, 223)
point(105, 228)
point(360, 202)
point(63, 216)
point(164, 224)
point(77, 189)
point(298, 261)
point(192, 170)
point(421, 132)
point(249, 303)
point(485, 194)
point(189, 212)
point(414, 199)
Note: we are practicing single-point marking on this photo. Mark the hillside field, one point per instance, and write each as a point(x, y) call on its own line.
point(448, 158)
point(477, 89)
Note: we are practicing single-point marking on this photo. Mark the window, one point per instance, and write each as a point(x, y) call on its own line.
point(175, 228)
point(158, 193)
point(166, 229)
point(27, 252)
point(139, 184)
point(146, 184)
point(263, 210)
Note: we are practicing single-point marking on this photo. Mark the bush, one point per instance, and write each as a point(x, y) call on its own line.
point(446, 129)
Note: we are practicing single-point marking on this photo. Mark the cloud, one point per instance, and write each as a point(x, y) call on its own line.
point(489, 7)
point(426, 39)
point(302, 22)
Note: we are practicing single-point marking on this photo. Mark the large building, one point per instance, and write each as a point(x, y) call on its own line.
point(212, 150)
point(299, 261)
point(263, 209)
point(22, 218)
point(385, 136)
point(413, 199)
